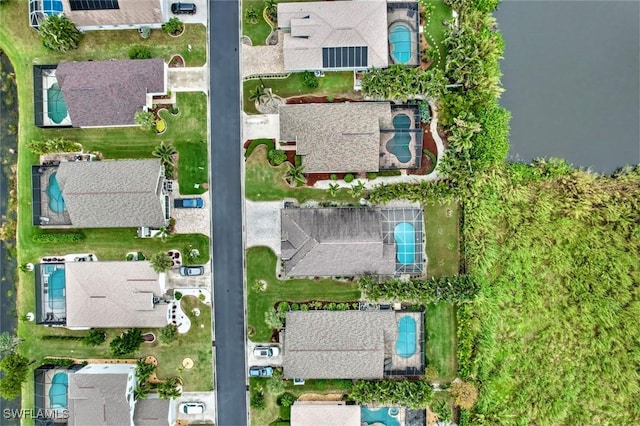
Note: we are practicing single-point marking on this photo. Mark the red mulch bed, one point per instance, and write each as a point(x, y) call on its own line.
point(291, 157)
point(317, 100)
point(176, 61)
point(427, 143)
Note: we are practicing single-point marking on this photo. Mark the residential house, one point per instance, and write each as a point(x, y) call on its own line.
point(153, 411)
point(324, 413)
point(81, 295)
point(100, 194)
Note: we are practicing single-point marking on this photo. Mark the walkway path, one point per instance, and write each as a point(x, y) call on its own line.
point(188, 79)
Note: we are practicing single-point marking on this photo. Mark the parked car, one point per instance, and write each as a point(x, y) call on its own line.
point(188, 203)
point(261, 371)
point(191, 271)
point(191, 407)
point(183, 8)
point(266, 351)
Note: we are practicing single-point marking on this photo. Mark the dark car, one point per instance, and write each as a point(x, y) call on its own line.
point(191, 271)
point(188, 203)
point(261, 371)
point(183, 8)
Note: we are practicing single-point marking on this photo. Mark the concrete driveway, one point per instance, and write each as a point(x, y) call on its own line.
point(188, 79)
point(209, 415)
point(263, 224)
point(191, 221)
point(200, 17)
point(175, 280)
point(261, 126)
point(252, 360)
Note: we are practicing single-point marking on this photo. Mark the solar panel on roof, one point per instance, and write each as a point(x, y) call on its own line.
point(94, 4)
point(344, 57)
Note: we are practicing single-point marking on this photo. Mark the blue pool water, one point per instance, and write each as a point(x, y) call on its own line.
point(56, 107)
point(407, 339)
point(380, 415)
point(400, 39)
point(58, 391)
point(399, 144)
point(56, 202)
point(404, 235)
point(56, 289)
point(52, 7)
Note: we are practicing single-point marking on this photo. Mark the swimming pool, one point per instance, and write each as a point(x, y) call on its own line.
point(56, 108)
point(404, 235)
point(380, 415)
point(399, 144)
point(56, 201)
point(58, 391)
point(406, 343)
point(400, 40)
point(56, 289)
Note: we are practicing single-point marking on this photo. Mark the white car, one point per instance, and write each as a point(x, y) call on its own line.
point(266, 351)
point(191, 407)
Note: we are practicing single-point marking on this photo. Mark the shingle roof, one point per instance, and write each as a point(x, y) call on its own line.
point(98, 399)
point(315, 25)
point(129, 12)
point(112, 194)
point(341, 137)
point(151, 412)
point(113, 294)
point(337, 344)
point(334, 242)
point(108, 93)
point(324, 413)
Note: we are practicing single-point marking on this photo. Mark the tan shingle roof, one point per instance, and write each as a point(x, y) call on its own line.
point(113, 294)
point(130, 12)
point(112, 194)
point(334, 242)
point(337, 344)
point(151, 412)
point(333, 138)
point(315, 25)
point(324, 414)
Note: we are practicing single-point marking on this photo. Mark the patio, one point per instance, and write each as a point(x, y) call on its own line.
point(404, 18)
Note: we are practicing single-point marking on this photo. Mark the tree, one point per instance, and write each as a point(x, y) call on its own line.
point(144, 370)
point(170, 388)
point(94, 338)
point(295, 175)
point(256, 400)
point(273, 318)
point(59, 33)
point(276, 156)
point(275, 384)
point(141, 391)
point(356, 190)
point(271, 7)
point(53, 145)
point(169, 333)
point(256, 93)
point(464, 394)
point(251, 15)
point(146, 120)
point(127, 343)
point(161, 262)
point(163, 233)
point(333, 189)
point(173, 26)
point(165, 152)
point(15, 367)
point(8, 342)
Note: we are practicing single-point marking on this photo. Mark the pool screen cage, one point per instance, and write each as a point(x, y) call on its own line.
point(416, 134)
point(42, 380)
point(40, 72)
point(412, 366)
point(40, 9)
point(414, 216)
point(410, 12)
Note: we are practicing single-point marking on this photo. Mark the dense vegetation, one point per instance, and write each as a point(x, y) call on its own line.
point(403, 393)
point(455, 289)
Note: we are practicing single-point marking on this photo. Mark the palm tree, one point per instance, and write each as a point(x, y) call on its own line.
point(141, 391)
point(144, 370)
point(257, 93)
point(169, 388)
point(357, 189)
point(163, 233)
point(164, 152)
point(295, 175)
point(59, 33)
point(333, 189)
point(271, 7)
point(161, 262)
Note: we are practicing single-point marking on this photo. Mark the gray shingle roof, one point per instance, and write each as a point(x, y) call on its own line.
point(113, 194)
point(98, 399)
point(315, 25)
point(324, 413)
point(113, 294)
point(151, 412)
point(108, 93)
point(334, 242)
point(341, 137)
point(130, 12)
point(337, 344)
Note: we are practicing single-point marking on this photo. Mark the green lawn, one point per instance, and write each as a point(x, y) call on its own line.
point(259, 32)
point(435, 29)
point(261, 264)
point(336, 84)
point(264, 182)
point(442, 239)
point(440, 339)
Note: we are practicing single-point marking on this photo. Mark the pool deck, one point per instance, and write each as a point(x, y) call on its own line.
point(55, 219)
point(400, 16)
point(48, 80)
point(416, 360)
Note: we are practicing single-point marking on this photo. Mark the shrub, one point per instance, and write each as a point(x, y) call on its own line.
point(129, 257)
point(464, 394)
point(169, 333)
point(295, 307)
point(53, 145)
point(177, 295)
point(276, 157)
point(251, 15)
point(146, 120)
point(127, 343)
point(286, 399)
point(273, 318)
point(256, 401)
point(410, 394)
point(372, 175)
point(333, 176)
point(61, 362)
point(15, 367)
point(275, 384)
point(139, 52)
point(304, 307)
point(431, 373)
point(348, 178)
point(173, 26)
point(59, 33)
point(71, 237)
point(161, 262)
point(310, 80)
point(425, 112)
point(94, 338)
point(202, 297)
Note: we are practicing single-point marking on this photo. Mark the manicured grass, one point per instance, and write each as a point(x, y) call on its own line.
point(259, 32)
point(435, 29)
point(336, 84)
point(441, 233)
point(269, 143)
point(264, 182)
point(261, 265)
point(440, 339)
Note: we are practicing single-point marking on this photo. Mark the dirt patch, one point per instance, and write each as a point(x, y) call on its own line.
point(317, 100)
point(320, 397)
point(432, 418)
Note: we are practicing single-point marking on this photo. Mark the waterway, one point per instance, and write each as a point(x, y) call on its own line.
point(8, 147)
point(572, 80)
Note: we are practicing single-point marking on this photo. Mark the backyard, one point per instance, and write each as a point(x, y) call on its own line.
point(261, 266)
point(440, 339)
point(442, 239)
point(435, 29)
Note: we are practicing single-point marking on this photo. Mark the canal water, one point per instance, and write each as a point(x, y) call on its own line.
point(572, 80)
point(8, 157)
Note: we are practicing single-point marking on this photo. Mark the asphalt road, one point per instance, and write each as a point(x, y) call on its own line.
point(226, 193)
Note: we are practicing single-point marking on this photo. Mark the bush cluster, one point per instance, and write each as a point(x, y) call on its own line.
point(139, 52)
point(310, 80)
point(455, 289)
point(348, 178)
